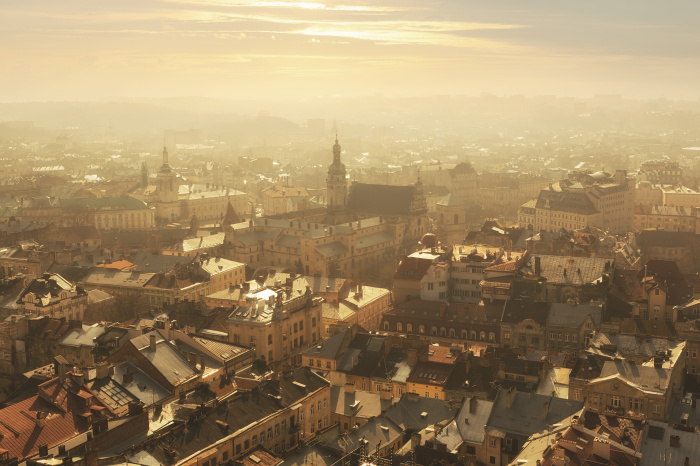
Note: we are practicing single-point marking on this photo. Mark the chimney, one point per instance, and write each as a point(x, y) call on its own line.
point(385, 394)
point(40, 419)
point(601, 448)
point(537, 266)
point(349, 387)
point(472, 405)
point(61, 369)
point(202, 363)
point(545, 409)
point(674, 441)
point(135, 408)
point(510, 395)
point(128, 376)
point(152, 336)
point(415, 440)
point(412, 355)
point(102, 370)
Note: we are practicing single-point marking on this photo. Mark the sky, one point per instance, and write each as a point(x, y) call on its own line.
point(276, 49)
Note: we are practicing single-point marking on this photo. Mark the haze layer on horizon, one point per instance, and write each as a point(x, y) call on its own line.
point(270, 49)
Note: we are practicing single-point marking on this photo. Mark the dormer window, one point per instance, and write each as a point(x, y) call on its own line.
point(29, 297)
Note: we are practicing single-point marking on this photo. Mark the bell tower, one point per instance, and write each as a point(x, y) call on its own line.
point(168, 205)
point(336, 184)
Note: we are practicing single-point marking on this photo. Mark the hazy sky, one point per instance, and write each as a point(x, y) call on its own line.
point(95, 49)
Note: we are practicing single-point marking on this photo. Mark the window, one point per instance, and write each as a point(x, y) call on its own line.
point(386, 325)
point(399, 327)
point(269, 433)
point(312, 410)
point(433, 331)
point(615, 401)
point(269, 339)
point(325, 402)
point(421, 329)
point(277, 431)
point(430, 286)
point(252, 341)
point(492, 460)
point(313, 321)
point(409, 328)
point(657, 408)
point(551, 335)
point(492, 442)
point(506, 335)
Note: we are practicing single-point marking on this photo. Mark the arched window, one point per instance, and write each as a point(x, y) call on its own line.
point(443, 332)
point(464, 334)
point(421, 330)
point(409, 328)
point(452, 333)
point(482, 336)
point(399, 327)
point(433, 331)
point(492, 336)
point(386, 325)
point(472, 335)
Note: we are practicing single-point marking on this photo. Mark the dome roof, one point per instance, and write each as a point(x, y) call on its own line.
point(429, 240)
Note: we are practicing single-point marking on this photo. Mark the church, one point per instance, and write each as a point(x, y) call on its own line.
point(405, 204)
point(175, 200)
point(367, 227)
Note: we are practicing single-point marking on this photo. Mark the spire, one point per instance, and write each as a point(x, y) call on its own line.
point(230, 218)
point(336, 150)
point(165, 155)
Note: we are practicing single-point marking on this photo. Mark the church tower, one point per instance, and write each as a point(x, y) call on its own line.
point(336, 185)
point(451, 220)
point(168, 205)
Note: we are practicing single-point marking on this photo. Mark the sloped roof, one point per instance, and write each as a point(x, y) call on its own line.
point(450, 201)
point(380, 198)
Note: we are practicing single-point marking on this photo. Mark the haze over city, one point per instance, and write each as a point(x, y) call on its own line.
point(358, 233)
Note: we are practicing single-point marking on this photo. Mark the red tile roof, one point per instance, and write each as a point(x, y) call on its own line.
point(21, 435)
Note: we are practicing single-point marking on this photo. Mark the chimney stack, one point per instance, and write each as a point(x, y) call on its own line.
point(349, 388)
point(472, 405)
point(510, 395)
point(152, 337)
point(601, 448)
point(674, 441)
point(545, 409)
point(412, 355)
